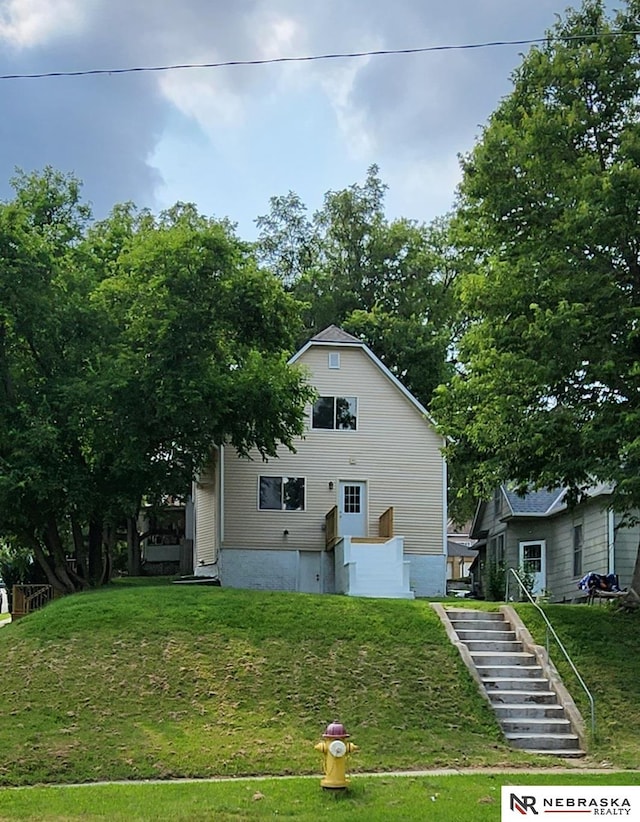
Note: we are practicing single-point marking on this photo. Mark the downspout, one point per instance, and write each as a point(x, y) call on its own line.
point(445, 521)
point(611, 535)
point(220, 500)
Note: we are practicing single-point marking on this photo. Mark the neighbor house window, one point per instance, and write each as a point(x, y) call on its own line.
point(281, 494)
point(577, 550)
point(497, 548)
point(335, 413)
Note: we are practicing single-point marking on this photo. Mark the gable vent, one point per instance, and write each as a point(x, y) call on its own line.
point(334, 359)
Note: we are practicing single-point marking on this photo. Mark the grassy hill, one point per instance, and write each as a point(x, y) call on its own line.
point(158, 680)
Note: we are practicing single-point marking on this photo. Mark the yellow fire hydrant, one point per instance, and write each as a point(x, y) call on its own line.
point(334, 750)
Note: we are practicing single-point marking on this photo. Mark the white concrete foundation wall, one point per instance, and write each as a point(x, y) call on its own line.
point(427, 574)
point(328, 572)
point(260, 570)
point(341, 570)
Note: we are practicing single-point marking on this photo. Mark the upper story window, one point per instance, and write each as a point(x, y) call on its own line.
point(335, 413)
point(281, 494)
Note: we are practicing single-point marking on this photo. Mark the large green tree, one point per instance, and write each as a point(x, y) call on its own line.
point(548, 384)
point(386, 281)
point(127, 348)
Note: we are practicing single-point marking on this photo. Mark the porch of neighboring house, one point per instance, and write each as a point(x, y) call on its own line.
point(28, 598)
point(369, 566)
point(166, 551)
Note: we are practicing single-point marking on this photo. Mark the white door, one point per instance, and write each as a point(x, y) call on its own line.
point(533, 560)
point(352, 509)
point(309, 572)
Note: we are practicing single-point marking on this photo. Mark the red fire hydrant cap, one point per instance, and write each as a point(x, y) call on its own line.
point(335, 730)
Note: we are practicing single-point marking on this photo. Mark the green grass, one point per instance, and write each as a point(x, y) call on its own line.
point(162, 681)
point(604, 644)
point(468, 798)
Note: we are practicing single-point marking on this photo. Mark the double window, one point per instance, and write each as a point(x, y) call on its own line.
point(281, 494)
point(340, 413)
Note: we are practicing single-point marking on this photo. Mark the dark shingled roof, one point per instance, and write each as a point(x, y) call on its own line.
point(454, 549)
point(534, 502)
point(335, 334)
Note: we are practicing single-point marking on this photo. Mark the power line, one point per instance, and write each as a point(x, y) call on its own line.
point(315, 57)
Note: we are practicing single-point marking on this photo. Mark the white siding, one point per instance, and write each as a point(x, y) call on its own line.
point(626, 550)
point(394, 450)
point(205, 516)
point(593, 516)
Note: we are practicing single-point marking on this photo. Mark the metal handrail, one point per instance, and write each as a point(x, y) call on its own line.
point(560, 645)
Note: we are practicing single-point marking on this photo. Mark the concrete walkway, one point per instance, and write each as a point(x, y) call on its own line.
point(352, 775)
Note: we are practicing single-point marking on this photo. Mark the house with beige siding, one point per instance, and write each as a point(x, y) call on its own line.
point(358, 509)
point(557, 543)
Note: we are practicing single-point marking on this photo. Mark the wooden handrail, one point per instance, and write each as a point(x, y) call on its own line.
point(385, 524)
point(331, 527)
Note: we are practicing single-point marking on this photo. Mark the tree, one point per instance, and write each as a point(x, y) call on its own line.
point(127, 349)
point(388, 282)
point(548, 385)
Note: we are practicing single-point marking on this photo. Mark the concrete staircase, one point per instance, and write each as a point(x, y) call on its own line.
point(524, 697)
point(372, 569)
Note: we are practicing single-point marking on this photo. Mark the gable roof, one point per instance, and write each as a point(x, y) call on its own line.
point(333, 334)
point(455, 549)
point(336, 337)
point(534, 503)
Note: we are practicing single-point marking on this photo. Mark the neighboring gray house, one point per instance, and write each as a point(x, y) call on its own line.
point(359, 508)
point(558, 544)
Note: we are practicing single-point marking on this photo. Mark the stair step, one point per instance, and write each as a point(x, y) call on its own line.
point(509, 671)
point(514, 696)
point(474, 614)
point(479, 625)
point(519, 659)
point(500, 646)
point(566, 753)
point(541, 741)
point(536, 725)
point(516, 683)
point(464, 635)
point(526, 710)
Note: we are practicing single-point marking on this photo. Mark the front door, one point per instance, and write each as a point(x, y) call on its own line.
point(533, 560)
point(352, 509)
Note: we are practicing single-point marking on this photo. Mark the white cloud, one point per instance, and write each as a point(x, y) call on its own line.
point(202, 95)
point(29, 23)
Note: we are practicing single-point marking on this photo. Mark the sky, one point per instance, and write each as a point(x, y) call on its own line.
point(230, 138)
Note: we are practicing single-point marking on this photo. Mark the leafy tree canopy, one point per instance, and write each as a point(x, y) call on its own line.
point(388, 282)
point(548, 385)
point(127, 348)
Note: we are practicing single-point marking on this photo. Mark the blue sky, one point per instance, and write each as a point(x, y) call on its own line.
point(230, 138)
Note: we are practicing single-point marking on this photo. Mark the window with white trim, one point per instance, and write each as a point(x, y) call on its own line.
point(335, 413)
point(281, 493)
